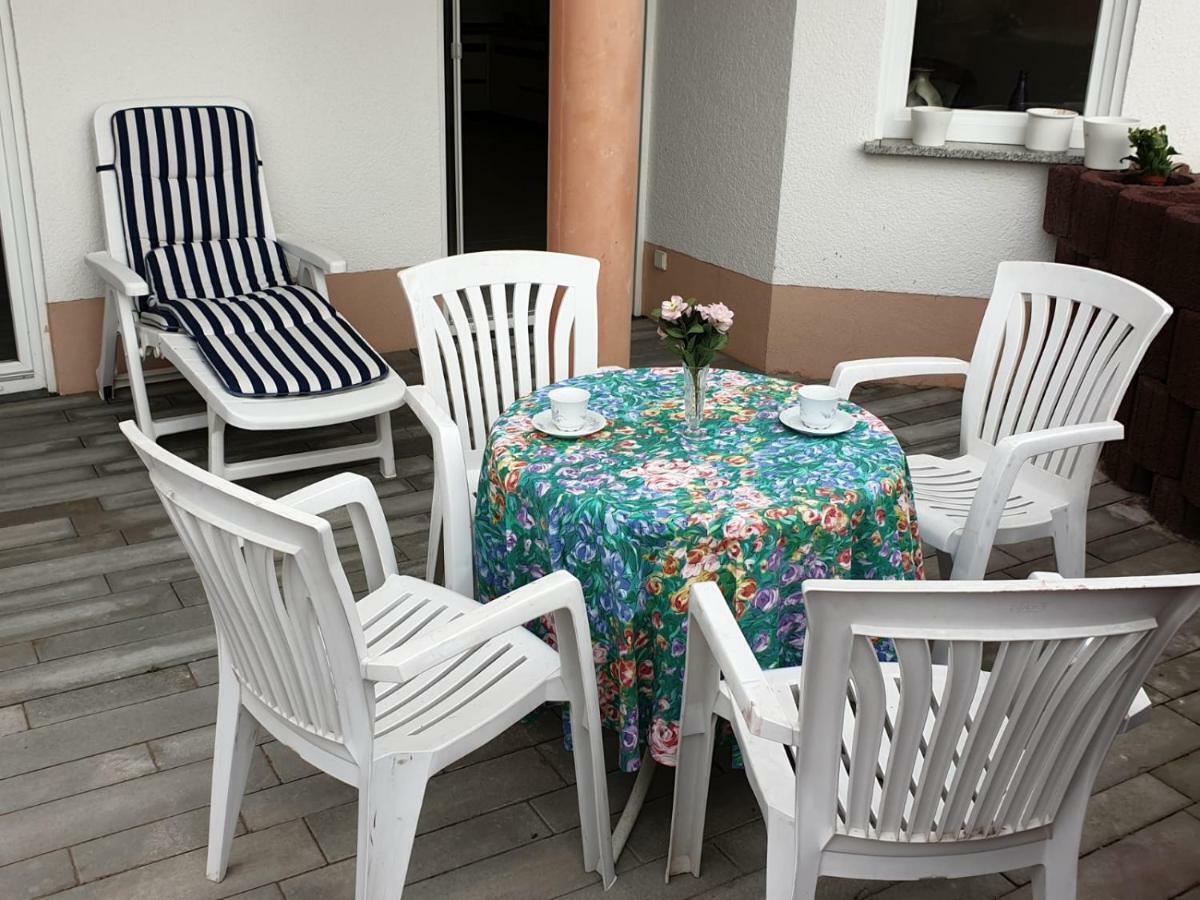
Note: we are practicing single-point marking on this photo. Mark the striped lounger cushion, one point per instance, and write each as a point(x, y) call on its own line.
point(196, 230)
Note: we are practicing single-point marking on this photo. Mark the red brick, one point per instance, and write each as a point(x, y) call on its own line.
point(1135, 238)
point(1177, 277)
point(1061, 182)
point(1183, 378)
point(1169, 506)
point(1157, 361)
point(1092, 212)
point(1121, 467)
point(1191, 464)
point(1159, 433)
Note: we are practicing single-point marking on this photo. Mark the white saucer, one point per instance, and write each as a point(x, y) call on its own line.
point(842, 422)
point(592, 422)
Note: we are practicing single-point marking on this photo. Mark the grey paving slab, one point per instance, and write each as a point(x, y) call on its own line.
point(294, 800)
point(286, 762)
point(1165, 736)
point(117, 520)
point(154, 573)
point(87, 735)
point(537, 871)
point(36, 532)
point(37, 877)
point(54, 550)
point(204, 670)
point(17, 655)
point(256, 860)
point(78, 589)
point(105, 486)
point(78, 671)
point(1120, 546)
point(58, 475)
point(646, 880)
point(1178, 676)
point(1183, 775)
point(81, 617)
point(1185, 640)
point(12, 720)
point(67, 779)
point(72, 820)
point(189, 746)
point(108, 695)
point(74, 455)
point(983, 887)
point(1176, 557)
point(730, 804)
point(1154, 863)
point(113, 560)
point(142, 628)
point(113, 853)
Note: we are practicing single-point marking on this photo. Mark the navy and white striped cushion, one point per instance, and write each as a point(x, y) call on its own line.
point(194, 229)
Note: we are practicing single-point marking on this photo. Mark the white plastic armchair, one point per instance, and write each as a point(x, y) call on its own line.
point(491, 328)
point(910, 770)
point(380, 693)
point(1056, 351)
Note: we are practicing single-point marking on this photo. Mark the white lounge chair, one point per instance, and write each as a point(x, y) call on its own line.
point(194, 272)
point(382, 693)
point(1056, 351)
point(491, 328)
point(911, 770)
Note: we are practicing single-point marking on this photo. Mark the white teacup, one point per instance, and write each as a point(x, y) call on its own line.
point(568, 408)
point(818, 405)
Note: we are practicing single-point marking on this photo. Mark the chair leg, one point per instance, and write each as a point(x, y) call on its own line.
point(131, 344)
point(782, 866)
point(692, 773)
point(387, 452)
point(389, 803)
point(1070, 541)
point(106, 372)
point(589, 782)
point(233, 750)
point(1055, 880)
point(216, 443)
point(435, 536)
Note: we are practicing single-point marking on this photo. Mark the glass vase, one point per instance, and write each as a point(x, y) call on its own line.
point(695, 381)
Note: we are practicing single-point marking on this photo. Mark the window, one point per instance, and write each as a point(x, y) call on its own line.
point(988, 59)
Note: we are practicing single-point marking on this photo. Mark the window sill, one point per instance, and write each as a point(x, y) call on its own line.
point(952, 150)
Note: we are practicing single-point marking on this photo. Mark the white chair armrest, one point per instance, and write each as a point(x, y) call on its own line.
point(324, 259)
point(450, 481)
point(1000, 474)
point(852, 373)
point(117, 276)
point(760, 708)
point(558, 593)
point(357, 495)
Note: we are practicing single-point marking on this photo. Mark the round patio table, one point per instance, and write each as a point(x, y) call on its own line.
point(640, 510)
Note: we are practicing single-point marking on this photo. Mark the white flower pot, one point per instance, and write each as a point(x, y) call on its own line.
point(1106, 141)
point(930, 124)
point(1049, 129)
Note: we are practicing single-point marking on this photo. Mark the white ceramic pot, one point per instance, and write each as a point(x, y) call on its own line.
point(1106, 141)
point(930, 124)
point(1049, 129)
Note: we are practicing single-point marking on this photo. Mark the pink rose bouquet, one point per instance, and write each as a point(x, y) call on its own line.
point(694, 332)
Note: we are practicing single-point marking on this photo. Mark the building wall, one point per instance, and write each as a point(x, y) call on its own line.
point(719, 121)
point(855, 233)
point(347, 101)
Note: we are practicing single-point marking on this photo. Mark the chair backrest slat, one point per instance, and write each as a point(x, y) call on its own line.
point(281, 604)
point(1058, 346)
point(477, 356)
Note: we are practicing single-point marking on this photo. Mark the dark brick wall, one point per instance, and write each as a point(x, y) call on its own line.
point(1150, 235)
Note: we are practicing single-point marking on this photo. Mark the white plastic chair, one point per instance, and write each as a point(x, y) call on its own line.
point(491, 328)
point(381, 693)
point(913, 770)
point(1056, 351)
point(124, 318)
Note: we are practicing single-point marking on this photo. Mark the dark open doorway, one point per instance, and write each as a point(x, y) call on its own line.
point(504, 91)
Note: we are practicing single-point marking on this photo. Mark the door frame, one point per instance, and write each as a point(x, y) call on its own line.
point(19, 232)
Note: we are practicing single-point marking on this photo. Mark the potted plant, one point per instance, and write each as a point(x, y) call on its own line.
point(1152, 155)
point(694, 333)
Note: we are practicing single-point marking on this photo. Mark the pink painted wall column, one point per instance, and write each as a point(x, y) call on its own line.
point(596, 49)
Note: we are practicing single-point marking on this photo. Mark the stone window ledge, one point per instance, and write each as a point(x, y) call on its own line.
point(952, 150)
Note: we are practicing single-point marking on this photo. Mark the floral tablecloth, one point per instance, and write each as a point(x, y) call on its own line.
point(642, 509)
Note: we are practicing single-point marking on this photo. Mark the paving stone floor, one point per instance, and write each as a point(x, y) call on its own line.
point(107, 703)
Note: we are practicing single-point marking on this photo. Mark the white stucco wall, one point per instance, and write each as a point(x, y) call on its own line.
point(346, 97)
point(719, 118)
point(851, 220)
point(1163, 86)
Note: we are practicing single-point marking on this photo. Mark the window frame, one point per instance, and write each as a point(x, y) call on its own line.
point(1106, 80)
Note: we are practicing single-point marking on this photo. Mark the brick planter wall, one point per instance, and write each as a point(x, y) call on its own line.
point(1151, 236)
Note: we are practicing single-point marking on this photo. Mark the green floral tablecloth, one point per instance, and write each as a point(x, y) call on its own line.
point(640, 510)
